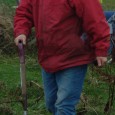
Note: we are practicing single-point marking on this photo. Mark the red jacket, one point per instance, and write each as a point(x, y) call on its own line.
point(59, 26)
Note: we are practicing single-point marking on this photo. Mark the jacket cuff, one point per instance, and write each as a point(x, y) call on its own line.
point(19, 33)
point(101, 53)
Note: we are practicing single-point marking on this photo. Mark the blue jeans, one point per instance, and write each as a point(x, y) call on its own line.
point(63, 88)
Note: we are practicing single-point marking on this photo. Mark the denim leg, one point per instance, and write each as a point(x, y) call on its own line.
point(50, 90)
point(70, 82)
point(110, 48)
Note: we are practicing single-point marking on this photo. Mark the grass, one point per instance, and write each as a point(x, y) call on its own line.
point(95, 91)
point(9, 2)
point(10, 82)
point(109, 4)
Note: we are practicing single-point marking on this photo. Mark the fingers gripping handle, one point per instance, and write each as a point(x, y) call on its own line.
point(21, 52)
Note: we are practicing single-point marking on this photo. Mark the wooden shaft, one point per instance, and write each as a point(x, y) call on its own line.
point(23, 78)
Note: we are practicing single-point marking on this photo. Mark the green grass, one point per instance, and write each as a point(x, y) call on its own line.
point(109, 4)
point(9, 68)
point(10, 82)
point(9, 2)
point(10, 79)
point(95, 90)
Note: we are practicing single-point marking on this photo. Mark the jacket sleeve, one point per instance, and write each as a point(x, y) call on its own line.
point(23, 21)
point(94, 24)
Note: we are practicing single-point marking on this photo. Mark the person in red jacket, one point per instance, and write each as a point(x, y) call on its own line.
point(70, 34)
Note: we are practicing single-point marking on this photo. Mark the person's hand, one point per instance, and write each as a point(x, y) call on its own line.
point(22, 38)
point(101, 61)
